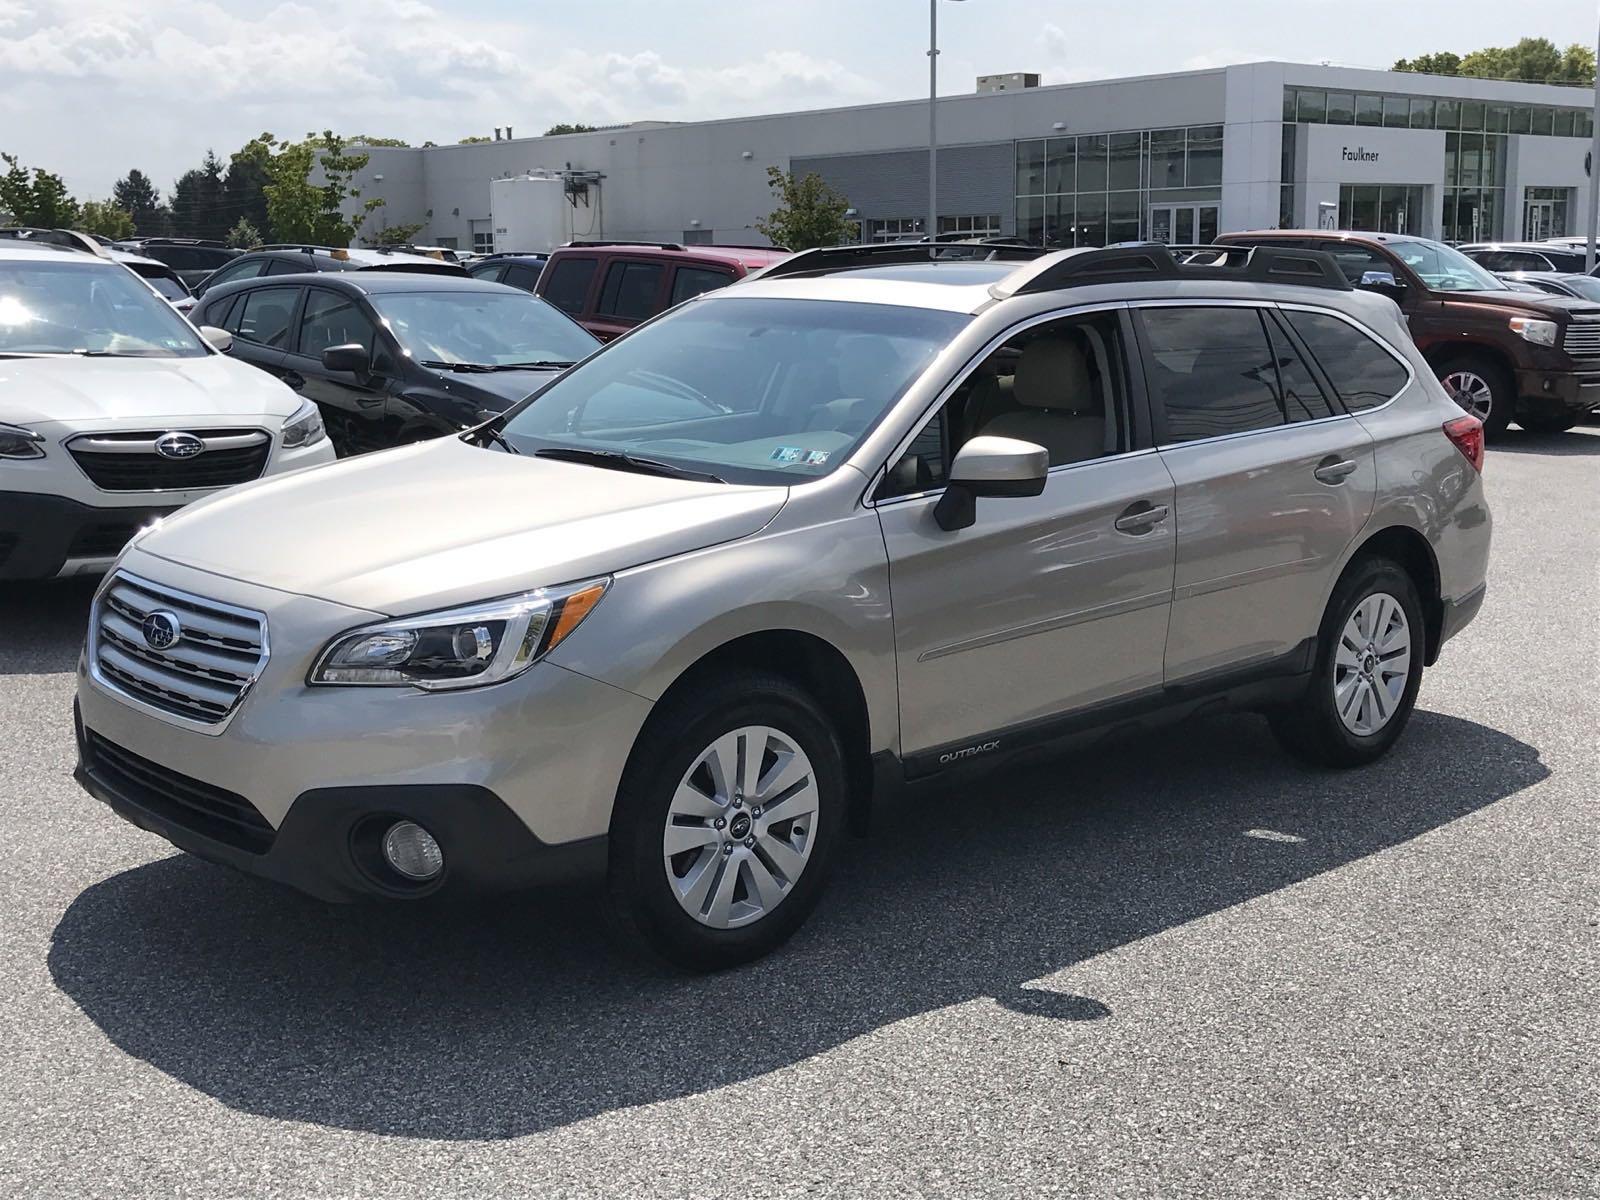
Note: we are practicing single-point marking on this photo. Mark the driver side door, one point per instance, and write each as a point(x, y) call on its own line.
point(353, 406)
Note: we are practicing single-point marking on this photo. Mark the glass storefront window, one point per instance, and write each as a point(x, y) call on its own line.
point(1092, 163)
point(1061, 165)
point(1521, 119)
point(1030, 219)
point(1369, 110)
point(1059, 219)
point(1091, 221)
point(1446, 114)
point(1124, 151)
point(1469, 160)
point(1290, 103)
point(1030, 168)
point(1564, 122)
point(1421, 113)
point(1544, 121)
point(1583, 124)
point(1313, 106)
point(1123, 210)
point(1498, 118)
point(1166, 158)
point(1472, 115)
point(1396, 112)
point(1341, 108)
point(1205, 156)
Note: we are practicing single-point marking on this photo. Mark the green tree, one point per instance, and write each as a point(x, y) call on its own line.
point(366, 139)
point(213, 217)
point(16, 191)
point(399, 235)
point(1533, 59)
point(137, 196)
point(473, 140)
point(243, 235)
point(106, 219)
point(188, 205)
point(809, 213)
point(300, 210)
point(556, 129)
point(36, 196)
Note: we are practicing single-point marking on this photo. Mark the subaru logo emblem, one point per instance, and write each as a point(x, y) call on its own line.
point(179, 445)
point(161, 630)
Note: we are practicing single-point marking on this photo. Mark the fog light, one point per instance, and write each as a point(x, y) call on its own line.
point(411, 851)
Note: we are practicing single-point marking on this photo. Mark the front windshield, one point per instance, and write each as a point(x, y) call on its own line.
point(486, 328)
point(169, 288)
point(750, 390)
point(88, 308)
point(1444, 269)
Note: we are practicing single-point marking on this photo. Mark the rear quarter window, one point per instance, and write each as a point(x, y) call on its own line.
point(565, 283)
point(1363, 373)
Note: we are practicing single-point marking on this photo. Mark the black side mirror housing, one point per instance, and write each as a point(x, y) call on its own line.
point(351, 358)
point(1385, 284)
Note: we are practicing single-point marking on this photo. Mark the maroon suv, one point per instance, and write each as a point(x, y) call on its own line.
point(1504, 355)
point(609, 287)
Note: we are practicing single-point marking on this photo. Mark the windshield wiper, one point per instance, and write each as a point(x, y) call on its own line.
point(617, 460)
point(474, 368)
point(438, 365)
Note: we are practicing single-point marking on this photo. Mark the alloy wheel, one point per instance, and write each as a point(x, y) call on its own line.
point(740, 827)
point(1372, 664)
point(1471, 391)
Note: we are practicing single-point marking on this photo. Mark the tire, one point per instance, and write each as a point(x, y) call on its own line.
point(1482, 387)
point(1313, 729)
point(1548, 422)
point(671, 785)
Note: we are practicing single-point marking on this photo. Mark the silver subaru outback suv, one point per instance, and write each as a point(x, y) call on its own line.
point(866, 520)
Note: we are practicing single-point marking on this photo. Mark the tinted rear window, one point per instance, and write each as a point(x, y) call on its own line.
point(568, 283)
point(1363, 373)
point(631, 290)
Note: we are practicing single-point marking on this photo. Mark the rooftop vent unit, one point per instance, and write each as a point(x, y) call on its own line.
point(1015, 81)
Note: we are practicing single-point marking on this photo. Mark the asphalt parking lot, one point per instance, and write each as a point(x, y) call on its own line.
point(1179, 967)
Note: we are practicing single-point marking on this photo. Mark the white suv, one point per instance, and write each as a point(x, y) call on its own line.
point(115, 411)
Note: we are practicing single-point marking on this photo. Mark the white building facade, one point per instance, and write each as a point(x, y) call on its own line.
point(1177, 157)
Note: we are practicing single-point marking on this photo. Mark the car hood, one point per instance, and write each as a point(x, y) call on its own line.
point(1536, 302)
point(503, 388)
point(444, 523)
point(137, 391)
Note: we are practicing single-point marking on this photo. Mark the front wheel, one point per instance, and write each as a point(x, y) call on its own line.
point(1368, 668)
point(1481, 387)
point(725, 821)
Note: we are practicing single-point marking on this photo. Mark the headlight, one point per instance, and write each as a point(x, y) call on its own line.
point(462, 647)
point(17, 442)
point(1541, 333)
point(304, 428)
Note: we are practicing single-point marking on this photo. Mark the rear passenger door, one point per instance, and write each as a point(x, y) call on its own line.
point(1273, 482)
point(632, 291)
point(262, 321)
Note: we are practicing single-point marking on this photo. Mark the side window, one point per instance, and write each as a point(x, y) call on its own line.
point(490, 271)
point(1355, 261)
point(286, 266)
point(1363, 373)
point(630, 290)
point(692, 281)
point(216, 313)
point(569, 283)
point(1210, 372)
point(263, 316)
point(1300, 394)
point(521, 275)
point(1061, 385)
point(244, 270)
point(333, 320)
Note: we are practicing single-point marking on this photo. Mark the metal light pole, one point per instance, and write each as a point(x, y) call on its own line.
point(1589, 208)
point(931, 230)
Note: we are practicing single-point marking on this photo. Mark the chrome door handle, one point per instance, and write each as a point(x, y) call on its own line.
point(1141, 520)
point(1335, 471)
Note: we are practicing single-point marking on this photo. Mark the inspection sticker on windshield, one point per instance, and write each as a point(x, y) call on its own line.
point(788, 454)
point(815, 458)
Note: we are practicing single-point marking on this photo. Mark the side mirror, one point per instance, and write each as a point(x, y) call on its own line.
point(352, 358)
point(1385, 284)
point(219, 340)
point(989, 466)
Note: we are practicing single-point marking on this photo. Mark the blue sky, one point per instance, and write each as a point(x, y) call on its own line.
point(93, 87)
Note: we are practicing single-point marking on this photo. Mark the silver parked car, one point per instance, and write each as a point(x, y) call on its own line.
point(864, 520)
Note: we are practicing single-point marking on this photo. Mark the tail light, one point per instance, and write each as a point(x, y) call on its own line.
point(1467, 434)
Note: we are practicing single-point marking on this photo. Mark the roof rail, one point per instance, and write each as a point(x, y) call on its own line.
point(829, 260)
point(625, 242)
point(1154, 260)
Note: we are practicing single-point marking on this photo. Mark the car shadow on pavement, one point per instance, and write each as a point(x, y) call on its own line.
point(1582, 441)
point(494, 1020)
point(42, 625)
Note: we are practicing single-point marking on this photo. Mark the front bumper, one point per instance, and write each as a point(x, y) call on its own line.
point(1560, 390)
point(327, 846)
point(41, 536)
point(505, 772)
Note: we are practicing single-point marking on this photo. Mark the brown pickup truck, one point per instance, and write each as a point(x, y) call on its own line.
point(1504, 355)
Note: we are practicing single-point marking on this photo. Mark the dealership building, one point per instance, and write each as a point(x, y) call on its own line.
point(1176, 157)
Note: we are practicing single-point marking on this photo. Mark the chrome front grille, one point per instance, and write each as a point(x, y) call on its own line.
point(201, 674)
point(140, 462)
point(1582, 339)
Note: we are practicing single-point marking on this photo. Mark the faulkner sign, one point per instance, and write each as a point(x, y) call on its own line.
point(1358, 154)
point(1332, 155)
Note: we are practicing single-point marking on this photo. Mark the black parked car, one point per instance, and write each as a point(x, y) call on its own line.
point(394, 357)
point(519, 270)
point(297, 260)
point(192, 258)
point(1558, 283)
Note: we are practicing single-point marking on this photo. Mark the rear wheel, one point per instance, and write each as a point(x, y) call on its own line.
point(1481, 387)
point(1368, 668)
point(725, 821)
